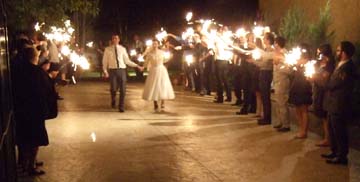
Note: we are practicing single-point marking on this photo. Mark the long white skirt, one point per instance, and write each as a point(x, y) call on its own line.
point(157, 85)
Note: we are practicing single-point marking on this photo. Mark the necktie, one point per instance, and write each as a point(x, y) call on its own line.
point(117, 59)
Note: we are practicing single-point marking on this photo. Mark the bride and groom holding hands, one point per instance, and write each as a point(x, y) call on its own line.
point(157, 85)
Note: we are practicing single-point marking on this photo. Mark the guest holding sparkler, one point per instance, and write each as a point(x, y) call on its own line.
point(300, 94)
point(338, 104)
point(281, 85)
point(222, 58)
point(324, 69)
point(158, 87)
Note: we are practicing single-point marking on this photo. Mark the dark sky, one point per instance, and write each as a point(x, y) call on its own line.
point(146, 16)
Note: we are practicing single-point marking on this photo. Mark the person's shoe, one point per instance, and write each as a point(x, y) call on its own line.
point(277, 126)
point(121, 110)
point(283, 130)
point(34, 172)
point(59, 97)
point(337, 160)
point(252, 110)
point(328, 156)
point(263, 122)
point(227, 100)
point(323, 144)
point(39, 163)
point(242, 112)
point(113, 105)
point(218, 101)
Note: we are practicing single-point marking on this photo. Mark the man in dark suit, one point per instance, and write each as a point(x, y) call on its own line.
point(337, 103)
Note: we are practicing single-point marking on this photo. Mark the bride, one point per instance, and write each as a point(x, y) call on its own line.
point(157, 85)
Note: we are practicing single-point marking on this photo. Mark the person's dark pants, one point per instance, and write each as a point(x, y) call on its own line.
point(117, 79)
point(265, 79)
point(237, 84)
point(201, 80)
point(221, 72)
point(338, 135)
point(207, 75)
point(190, 73)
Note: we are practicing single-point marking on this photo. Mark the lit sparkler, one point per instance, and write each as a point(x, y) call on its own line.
point(133, 52)
point(167, 55)
point(310, 68)
point(293, 56)
point(241, 32)
point(90, 44)
point(148, 43)
point(161, 35)
point(189, 16)
point(256, 54)
point(93, 136)
point(189, 59)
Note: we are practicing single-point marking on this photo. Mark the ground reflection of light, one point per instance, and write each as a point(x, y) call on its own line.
point(93, 136)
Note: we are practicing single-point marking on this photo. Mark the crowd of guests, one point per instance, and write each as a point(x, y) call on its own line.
point(269, 82)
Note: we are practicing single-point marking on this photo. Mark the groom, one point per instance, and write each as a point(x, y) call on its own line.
point(114, 62)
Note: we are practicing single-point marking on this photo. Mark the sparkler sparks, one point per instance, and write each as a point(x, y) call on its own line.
point(310, 68)
point(256, 54)
point(293, 56)
point(189, 59)
point(189, 16)
point(133, 52)
point(90, 44)
point(148, 43)
point(167, 55)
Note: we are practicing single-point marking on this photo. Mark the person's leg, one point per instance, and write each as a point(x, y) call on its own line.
point(219, 84)
point(259, 105)
point(226, 81)
point(113, 87)
point(305, 119)
point(341, 136)
point(156, 106)
point(284, 110)
point(162, 104)
point(122, 82)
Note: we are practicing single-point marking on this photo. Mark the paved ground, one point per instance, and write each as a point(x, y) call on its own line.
point(192, 140)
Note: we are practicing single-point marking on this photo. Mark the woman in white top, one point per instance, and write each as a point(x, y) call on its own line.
point(157, 85)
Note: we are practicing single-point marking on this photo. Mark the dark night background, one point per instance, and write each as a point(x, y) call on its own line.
point(145, 17)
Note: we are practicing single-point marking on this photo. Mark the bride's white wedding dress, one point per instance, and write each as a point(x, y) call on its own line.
point(157, 85)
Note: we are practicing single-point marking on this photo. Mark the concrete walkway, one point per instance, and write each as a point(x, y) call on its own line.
point(193, 139)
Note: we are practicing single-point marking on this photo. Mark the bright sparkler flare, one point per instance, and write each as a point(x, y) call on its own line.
point(161, 35)
point(293, 56)
point(189, 59)
point(167, 55)
point(241, 32)
point(141, 59)
point(148, 43)
point(189, 16)
point(79, 60)
point(90, 44)
point(93, 136)
point(65, 50)
point(38, 26)
point(256, 54)
point(258, 31)
point(310, 69)
point(188, 34)
point(133, 52)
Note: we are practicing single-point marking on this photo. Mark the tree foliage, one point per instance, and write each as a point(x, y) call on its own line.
point(293, 26)
point(22, 14)
point(319, 32)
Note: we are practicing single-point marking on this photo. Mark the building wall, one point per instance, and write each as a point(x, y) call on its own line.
point(345, 15)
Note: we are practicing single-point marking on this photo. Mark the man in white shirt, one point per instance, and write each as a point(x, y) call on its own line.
point(114, 62)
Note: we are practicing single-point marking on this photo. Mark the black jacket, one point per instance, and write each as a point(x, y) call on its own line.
point(340, 88)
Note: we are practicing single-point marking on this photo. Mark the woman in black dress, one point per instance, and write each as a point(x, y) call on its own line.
point(301, 93)
point(324, 69)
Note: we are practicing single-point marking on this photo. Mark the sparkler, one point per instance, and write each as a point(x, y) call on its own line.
point(241, 32)
point(90, 44)
point(293, 56)
point(141, 59)
point(310, 68)
point(167, 55)
point(38, 26)
point(161, 35)
point(189, 16)
point(133, 52)
point(256, 54)
point(189, 59)
point(148, 43)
